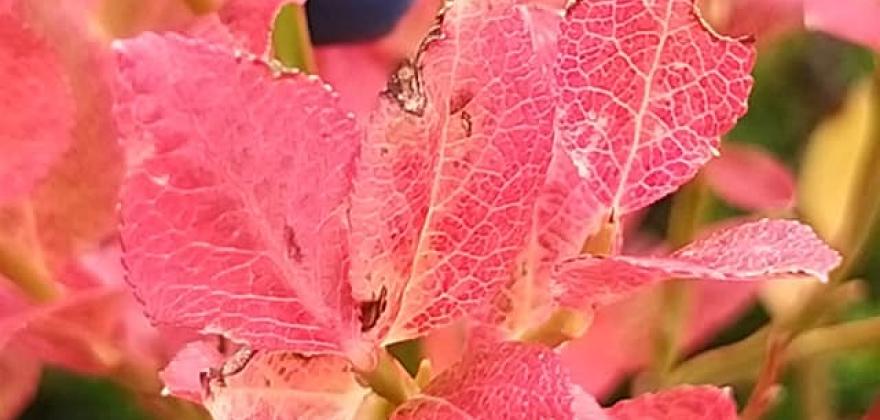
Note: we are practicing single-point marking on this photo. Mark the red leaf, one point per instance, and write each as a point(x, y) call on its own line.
point(36, 113)
point(235, 207)
point(647, 90)
point(750, 178)
point(499, 380)
point(448, 177)
point(681, 403)
point(285, 386)
point(751, 251)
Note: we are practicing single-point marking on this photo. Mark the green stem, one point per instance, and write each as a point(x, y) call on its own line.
point(764, 392)
point(291, 43)
point(374, 407)
point(833, 339)
point(567, 324)
point(390, 380)
point(814, 388)
point(736, 363)
point(605, 240)
point(689, 208)
point(562, 326)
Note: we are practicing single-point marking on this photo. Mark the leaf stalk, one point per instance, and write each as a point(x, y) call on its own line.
point(390, 380)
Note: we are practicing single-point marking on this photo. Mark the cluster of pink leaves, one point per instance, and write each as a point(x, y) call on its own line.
point(258, 209)
point(743, 176)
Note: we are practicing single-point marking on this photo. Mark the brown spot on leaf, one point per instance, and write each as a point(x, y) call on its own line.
point(294, 252)
point(466, 123)
point(459, 100)
point(405, 88)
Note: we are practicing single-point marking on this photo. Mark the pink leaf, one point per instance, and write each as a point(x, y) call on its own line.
point(284, 386)
point(751, 179)
point(498, 380)
point(647, 90)
point(682, 403)
point(565, 210)
point(596, 360)
point(448, 177)
point(235, 207)
point(853, 20)
point(751, 251)
point(251, 21)
point(36, 113)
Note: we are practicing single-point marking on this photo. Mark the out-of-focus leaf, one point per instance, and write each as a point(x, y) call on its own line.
point(75, 205)
point(834, 163)
point(682, 403)
point(76, 332)
point(751, 179)
point(251, 21)
point(63, 395)
point(37, 109)
point(853, 20)
point(764, 19)
point(596, 361)
point(21, 375)
point(125, 18)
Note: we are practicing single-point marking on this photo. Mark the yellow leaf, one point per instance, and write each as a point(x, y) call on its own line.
point(833, 163)
point(831, 170)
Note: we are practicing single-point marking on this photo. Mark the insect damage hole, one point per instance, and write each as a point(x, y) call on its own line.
point(216, 376)
point(371, 310)
point(466, 123)
point(405, 88)
point(294, 252)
